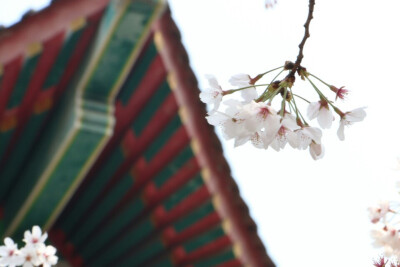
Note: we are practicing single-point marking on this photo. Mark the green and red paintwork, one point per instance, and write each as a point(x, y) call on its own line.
point(103, 142)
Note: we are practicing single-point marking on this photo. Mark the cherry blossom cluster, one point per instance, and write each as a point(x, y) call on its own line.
point(255, 119)
point(385, 235)
point(34, 253)
point(386, 232)
point(385, 219)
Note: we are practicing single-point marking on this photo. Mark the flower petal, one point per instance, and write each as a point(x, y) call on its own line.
point(317, 151)
point(217, 118)
point(325, 118)
point(241, 140)
point(293, 139)
point(249, 94)
point(314, 133)
point(313, 109)
point(36, 231)
point(356, 115)
point(289, 122)
point(240, 80)
point(213, 81)
point(340, 131)
point(9, 243)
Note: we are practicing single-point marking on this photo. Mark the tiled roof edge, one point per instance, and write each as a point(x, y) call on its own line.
point(16, 39)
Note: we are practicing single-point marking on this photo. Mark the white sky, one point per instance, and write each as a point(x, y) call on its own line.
point(309, 213)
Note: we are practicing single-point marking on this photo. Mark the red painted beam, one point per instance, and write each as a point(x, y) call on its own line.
point(48, 56)
point(8, 80)
point(204, 252)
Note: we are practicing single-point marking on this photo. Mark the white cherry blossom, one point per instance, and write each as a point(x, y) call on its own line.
point(253, 121)
point(349, 118)
point(321, 111)
point(259, 122)
point(47, 255)
point(257, 140)
point(388, 238)
point(379, 212)
point(34, 253)
point(288, 124)
point(243, 80)
point(213, 94)
point(302, 138)
point(230, 125)
point(9, 254)
point(230, 121)
point(261, 117)
point(30, 255)
point(35, 237)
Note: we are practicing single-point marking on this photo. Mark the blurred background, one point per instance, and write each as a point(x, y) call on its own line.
point(309, 213)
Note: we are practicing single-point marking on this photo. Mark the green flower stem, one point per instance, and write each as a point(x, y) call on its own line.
point(320, 80)
point(283, 102)
point(262, 97)
point(321, 95)
point(274, 94)
point(231, 91)
point(298, 111)
point(295, 107)
point(338, 111)
point(302, 98)
point(262, 74)
point(291, 108)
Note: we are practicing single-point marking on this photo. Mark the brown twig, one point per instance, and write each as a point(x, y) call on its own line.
point(306, 35)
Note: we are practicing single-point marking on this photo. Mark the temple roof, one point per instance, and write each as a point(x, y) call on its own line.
point(104, 142)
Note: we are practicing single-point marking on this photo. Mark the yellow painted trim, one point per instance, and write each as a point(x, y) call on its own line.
point(34, 49)
point(195, 145)
point(159, 40)
point(172, 81)
point(8, 123)
point(23, 211)
point(227, 226)
point(77, 24)
point(206, 174)
point(183, 114)
point(43, 105)
point(237, 250)
point(1, 70)
point(216, 201)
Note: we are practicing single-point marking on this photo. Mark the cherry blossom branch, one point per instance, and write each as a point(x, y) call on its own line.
point(254, 118)
point(306, 35)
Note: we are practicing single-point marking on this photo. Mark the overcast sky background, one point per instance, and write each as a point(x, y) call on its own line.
point(309, 213)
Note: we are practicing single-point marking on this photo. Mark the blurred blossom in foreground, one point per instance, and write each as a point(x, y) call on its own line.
point(34, 253)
